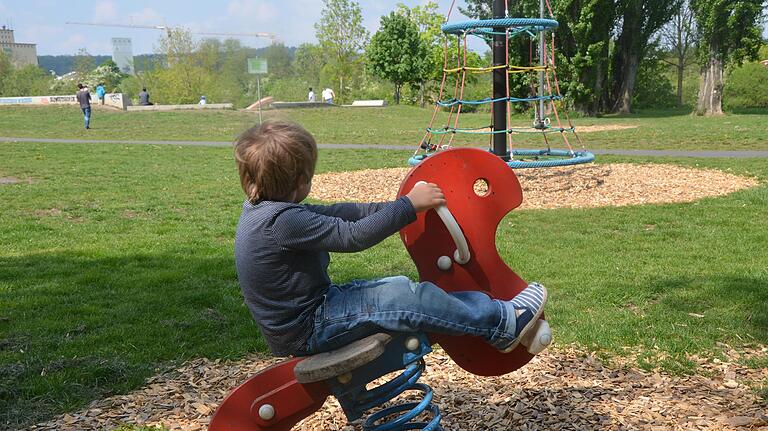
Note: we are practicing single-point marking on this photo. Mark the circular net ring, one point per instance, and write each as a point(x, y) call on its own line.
point(540, 158)
point(549, 158)
point(487, 25)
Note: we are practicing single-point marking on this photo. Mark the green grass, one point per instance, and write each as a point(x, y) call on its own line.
point(395, 125)
point(117, 261)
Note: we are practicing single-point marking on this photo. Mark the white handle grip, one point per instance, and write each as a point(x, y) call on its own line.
point(461, 255)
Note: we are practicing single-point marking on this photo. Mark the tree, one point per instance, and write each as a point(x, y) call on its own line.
point(309, 62)
point(184, 79)
point(729, 33)
point(396, 52)
point(83, 62)
point(6, 70)
point(279, 60)
point(428, 22)
point(679, 37)
point(342, 36)
point(640, 19)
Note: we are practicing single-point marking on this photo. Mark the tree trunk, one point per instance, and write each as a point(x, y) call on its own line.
point(421, 94)
point(680, 70)
point(629, 50)
point(397, 94)
point(623, 103)
point(711, 84)
point(599, 88)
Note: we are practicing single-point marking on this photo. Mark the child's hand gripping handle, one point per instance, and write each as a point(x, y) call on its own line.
point(461, 255)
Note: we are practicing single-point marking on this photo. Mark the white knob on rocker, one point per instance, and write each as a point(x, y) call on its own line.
point(267, 412)
point(538, 338)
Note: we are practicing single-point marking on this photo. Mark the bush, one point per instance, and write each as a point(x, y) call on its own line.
point(746, 87)
point(653, 89)
point(285, 89)
point(27, 81)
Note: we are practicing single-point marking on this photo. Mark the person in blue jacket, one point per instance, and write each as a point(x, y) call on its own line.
point(101, 92)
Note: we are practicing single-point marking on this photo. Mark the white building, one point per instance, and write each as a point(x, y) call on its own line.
point(21, 54)
point(122, 54)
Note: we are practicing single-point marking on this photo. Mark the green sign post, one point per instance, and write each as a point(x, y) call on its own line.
point(258, 66)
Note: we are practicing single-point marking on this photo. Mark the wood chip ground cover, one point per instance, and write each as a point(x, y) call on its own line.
point(560, 389)
point(562, 187)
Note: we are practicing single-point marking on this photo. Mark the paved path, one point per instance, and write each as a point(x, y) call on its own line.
point(652, 153)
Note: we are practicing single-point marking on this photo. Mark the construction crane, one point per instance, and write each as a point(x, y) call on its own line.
point(168, 29)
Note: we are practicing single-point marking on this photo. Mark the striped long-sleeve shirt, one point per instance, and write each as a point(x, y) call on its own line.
point(281, 253)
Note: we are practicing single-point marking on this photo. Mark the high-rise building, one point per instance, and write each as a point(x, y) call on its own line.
point(122, 54)
point(21, 54)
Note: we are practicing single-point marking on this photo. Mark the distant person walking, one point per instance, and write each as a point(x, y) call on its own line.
point(144, 98)
point(328, 95)
point(84, 98)
point(311, 97)
point(101, 92)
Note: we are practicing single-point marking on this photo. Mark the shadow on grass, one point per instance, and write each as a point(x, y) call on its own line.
point(734, 302)
point(653, 113)
point(74, 327)
point(683, 111)
point(749, 111)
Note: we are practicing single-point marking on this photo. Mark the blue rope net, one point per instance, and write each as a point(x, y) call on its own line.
point(486, 26)
point(519, 158)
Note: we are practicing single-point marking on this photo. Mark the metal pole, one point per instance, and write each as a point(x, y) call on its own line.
point(542, 62)
point(499, 84)
point(258, 88)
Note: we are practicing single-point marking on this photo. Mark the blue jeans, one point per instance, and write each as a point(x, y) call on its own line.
point(87, 113)
point(397, 304)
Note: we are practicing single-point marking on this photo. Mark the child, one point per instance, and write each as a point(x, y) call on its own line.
point(281, 252)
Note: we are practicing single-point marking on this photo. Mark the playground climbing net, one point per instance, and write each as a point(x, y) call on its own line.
point(544, 94)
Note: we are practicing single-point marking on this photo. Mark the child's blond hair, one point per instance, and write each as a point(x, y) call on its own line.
point(273, 159)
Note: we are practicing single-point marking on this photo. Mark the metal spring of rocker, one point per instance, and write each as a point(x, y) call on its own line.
point(404, 354)
point(406, 381)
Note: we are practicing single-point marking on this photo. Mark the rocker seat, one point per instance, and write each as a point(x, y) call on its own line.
point(328, 365)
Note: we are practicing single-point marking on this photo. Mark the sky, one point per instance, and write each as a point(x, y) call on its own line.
point(43, 21)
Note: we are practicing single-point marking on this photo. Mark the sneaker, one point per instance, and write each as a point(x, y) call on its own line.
point(528, 306)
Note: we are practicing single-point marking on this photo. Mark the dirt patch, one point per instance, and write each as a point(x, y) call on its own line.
point(563, 389)
point(605, 128)
point(52, 212)
point(561, 187)
point(14, 180)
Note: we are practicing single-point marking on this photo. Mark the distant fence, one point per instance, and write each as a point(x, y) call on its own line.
point(115, 100)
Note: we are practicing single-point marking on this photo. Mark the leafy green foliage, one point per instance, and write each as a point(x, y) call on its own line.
point(279, 60)
point(747, 87)
point(26, 81)
point(396, 52)
point(29, 80)
point(309, 62)
point(342, 35)
point(84, 62)
point(652, 89)
point(730, 33)
point(729, 29)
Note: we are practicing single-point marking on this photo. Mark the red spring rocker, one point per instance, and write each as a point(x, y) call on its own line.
point(453, 247)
